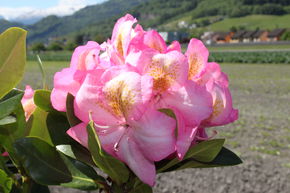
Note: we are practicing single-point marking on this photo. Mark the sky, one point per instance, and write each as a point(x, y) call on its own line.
point(13, 9)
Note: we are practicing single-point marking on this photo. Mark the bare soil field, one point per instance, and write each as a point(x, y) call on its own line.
point(261, 136)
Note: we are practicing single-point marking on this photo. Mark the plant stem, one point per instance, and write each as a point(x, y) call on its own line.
point(27, 185)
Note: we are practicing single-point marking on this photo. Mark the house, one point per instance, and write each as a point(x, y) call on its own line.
point(222, 37)
point(275, 35)
point(206, 37)
point(248, 36)
point(260, 36)
point(237, 37)
point(172, 36)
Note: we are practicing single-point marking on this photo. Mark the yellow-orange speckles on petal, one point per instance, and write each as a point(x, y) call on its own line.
point(164, 72)
point(120, 98)
point(195, 65)
point(119, 44)
point(218, 108)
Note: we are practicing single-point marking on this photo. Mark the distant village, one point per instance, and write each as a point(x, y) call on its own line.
point(242, 36)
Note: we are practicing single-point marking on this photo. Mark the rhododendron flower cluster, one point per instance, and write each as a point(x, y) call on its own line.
point(127, 83)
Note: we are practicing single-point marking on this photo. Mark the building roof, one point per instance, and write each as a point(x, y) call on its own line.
point(276, 33)
point(221, 35)
point(249, 34)
point(238, 34)
point(259, 33)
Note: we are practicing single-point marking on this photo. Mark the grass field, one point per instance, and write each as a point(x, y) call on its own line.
point(261, 136)
point(253, 22)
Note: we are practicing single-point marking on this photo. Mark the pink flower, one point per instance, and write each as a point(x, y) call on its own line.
point(129, 126)
point(27, 102)
point(125, 82)
point(84, 59)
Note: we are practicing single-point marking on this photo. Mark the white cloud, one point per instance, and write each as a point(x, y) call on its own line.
point(30, 14)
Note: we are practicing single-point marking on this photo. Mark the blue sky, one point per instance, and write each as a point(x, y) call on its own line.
point(28, 3)
point(36, 3)
point(17, 9)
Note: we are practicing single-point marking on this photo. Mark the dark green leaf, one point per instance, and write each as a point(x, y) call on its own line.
point(57, 126)
point(9, 103)
point(42, 100)
point(144, 188)
point(12, 58)
point(116, 169)
point(224, 158)
point(11, 132)
point(76, 151)
point(37, 188)
point(140, 187)
point(72, 119)
point(5, 182)
point(205, 151)
point(39, 158)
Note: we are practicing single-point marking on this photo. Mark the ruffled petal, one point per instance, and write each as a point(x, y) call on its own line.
point(130, 153)
point(197, 55)
point(122, 34)
point(154, 134)
point(153, 40)
point(66, 81)
point(168, 71)
point(79, 133)
point(192, 100)
point(90, 99)
point(128, 94)
point(223, 112)
point(86, 57)
point(174, 46)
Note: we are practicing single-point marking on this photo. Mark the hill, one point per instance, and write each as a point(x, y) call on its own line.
point(198, 15)
point(253, 22)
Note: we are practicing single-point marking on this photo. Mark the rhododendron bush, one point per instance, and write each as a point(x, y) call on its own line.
point(123, 111)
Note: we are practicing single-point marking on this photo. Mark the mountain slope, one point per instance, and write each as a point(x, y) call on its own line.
point(53, 26)
point(160, 14)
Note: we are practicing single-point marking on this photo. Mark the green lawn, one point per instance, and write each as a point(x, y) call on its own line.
point(253, 22)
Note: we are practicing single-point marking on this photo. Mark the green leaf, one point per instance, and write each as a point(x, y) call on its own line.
point(116, 169)
point(143, 188)
point(224, 158)
point(57, 126)
point(72, 119)
point(42, 100)
point(43, 73)
point(205, 151)
point(7, 120)
point(47, 166)
point(76, 151)
point(12, 58)
point(5, 182)
point(38, 127)
point(9, 103)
